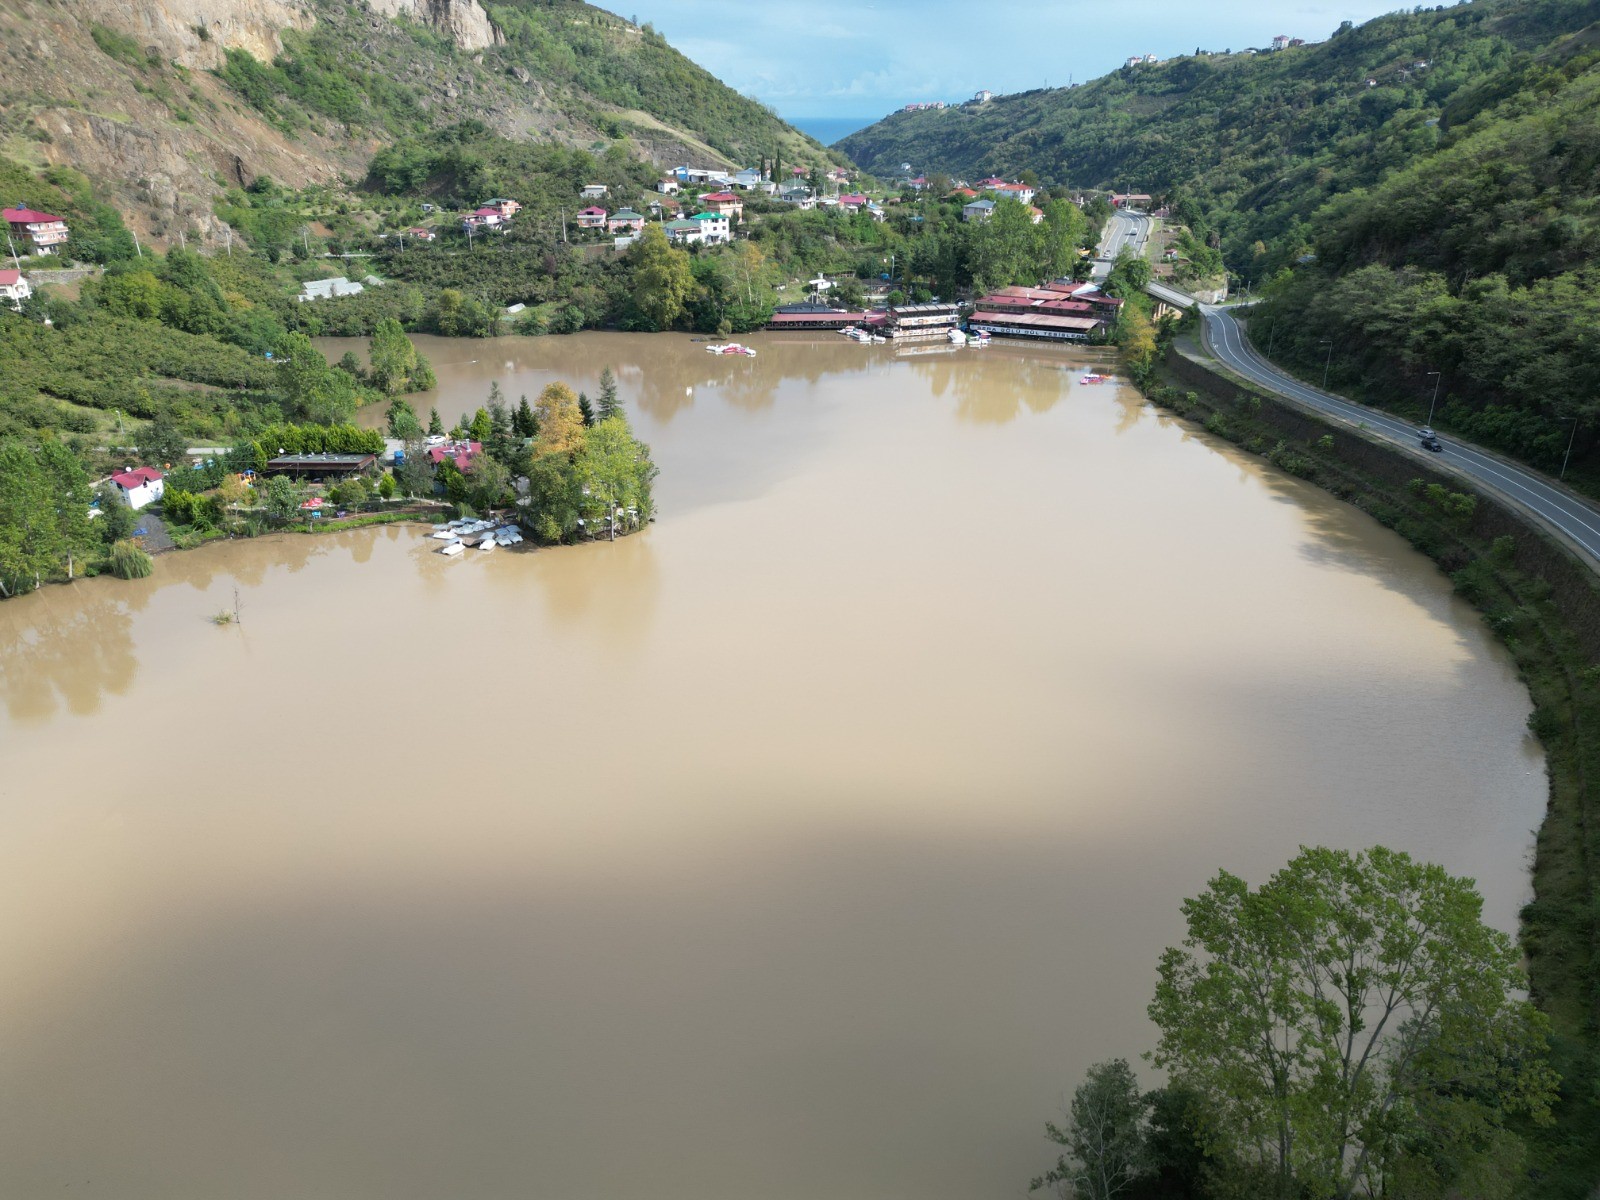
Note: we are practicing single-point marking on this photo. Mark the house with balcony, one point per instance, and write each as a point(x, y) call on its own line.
point(593, 217)
point(506, 208)
point(725, 203)
point(14, 289)
point(593, 191)
point(625, 221)
point(684, 232)
point(978, 210)
point(35, 232)
point(714, 227)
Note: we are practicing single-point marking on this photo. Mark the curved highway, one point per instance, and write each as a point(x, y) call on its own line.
point(1560, 511)
point(1125, 230)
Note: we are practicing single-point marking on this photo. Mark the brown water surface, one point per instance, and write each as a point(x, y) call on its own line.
point(809, 844)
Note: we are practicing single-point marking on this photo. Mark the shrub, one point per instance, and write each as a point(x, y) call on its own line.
point(129, 561)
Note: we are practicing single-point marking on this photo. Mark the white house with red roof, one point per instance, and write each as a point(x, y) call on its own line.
point(1017, 191)
point(506, 208)
point(139, 486)
point(14, 288)
point(42, 232)
point(593, 217)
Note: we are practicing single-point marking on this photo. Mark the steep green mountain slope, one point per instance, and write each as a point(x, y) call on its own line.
point(166, 103)
point(1259, 141)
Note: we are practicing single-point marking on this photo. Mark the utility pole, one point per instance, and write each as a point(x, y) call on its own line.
point(563, 224)
point(17, 262)
point(1272, 332)
point(1566, 458)
point(1437, 380)
point(183, 243)
point(230, 241)
point(1328, 364)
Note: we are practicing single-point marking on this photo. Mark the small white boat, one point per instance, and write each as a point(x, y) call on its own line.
point(956, 337)
point(447, 535)
point(732, 348)
point(488, 543)
point(452, 549)
point(849, 331)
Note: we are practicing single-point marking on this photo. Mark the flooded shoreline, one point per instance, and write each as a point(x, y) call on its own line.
point(836, 821)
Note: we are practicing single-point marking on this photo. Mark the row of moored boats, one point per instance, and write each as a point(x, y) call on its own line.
point(485, 535)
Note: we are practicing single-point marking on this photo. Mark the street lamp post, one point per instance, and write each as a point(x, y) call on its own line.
point(1437, 380)
point(1326, 366)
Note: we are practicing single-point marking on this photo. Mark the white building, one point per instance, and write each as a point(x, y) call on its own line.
point(328, 289)
point(14, 288)
point(593, 191)
point(139, 486)
point(983, 96)
point(1281, 42)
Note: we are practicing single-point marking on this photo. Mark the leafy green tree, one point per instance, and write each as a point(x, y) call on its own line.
point(30, 539)
point(614, 469)
point(281, 498)
point(70, 496)
point(162, 443)
point(488, 484)
point(403, 422)
point(117, 520)
point(662, 280)
point(1343, 1012)
point(481, 427)
point(607, 405)
point(386, 486)
point(1105, 1136)
point(393, 358)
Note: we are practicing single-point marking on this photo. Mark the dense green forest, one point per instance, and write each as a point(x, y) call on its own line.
point(1419, 189)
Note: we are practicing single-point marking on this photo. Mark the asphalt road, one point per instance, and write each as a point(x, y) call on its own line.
point(1125, 229)
point(1566, 515)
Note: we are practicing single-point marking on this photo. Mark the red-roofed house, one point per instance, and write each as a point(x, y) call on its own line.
point(725, 204)
point(459, 453)
point(965, 193)
point(1017, 191)
point(593, 217)
point(139, 485)
point(855, 201)
point(14, 289)
point(42, 231)
point(506, 208)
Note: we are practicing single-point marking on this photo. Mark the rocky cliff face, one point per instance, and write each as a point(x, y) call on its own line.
point(194, 33)
point(462, 21)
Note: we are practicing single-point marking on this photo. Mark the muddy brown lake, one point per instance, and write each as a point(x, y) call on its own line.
point(809, 844)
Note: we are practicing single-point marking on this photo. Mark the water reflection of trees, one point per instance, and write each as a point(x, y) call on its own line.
point(70, 645)
point(67, 645)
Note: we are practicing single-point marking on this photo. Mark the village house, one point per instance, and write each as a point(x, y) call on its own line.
point(593, 217)
point(748, 178)
point(854, 202)
point(714, 227)
point(625, 221)
point(725, 203)
point(488, 216)
point(917, 184)
point(506, 208)
point(667, 186)
point(421, 233)
point(14, 288)
point(983, 96)
point(1036, 215)
point(684, 232)
point(1017, 191)
point(39, 232)
point(1129, 200)
point(593, 191)
point(977, 210)
point(839, 176)
point(664, 206)
point(693, 174)
point(1281, 42)
point(459, 454)
point(138, 486)
point(799, 196)
point(876, 213)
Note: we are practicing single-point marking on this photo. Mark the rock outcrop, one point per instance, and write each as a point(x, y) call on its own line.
point(462, 21)
point(194, 33)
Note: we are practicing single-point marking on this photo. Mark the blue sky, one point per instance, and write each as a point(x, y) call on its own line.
point(846, 58)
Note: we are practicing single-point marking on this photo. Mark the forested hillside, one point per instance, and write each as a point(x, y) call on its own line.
point(1420, 190)
point(163, 111)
